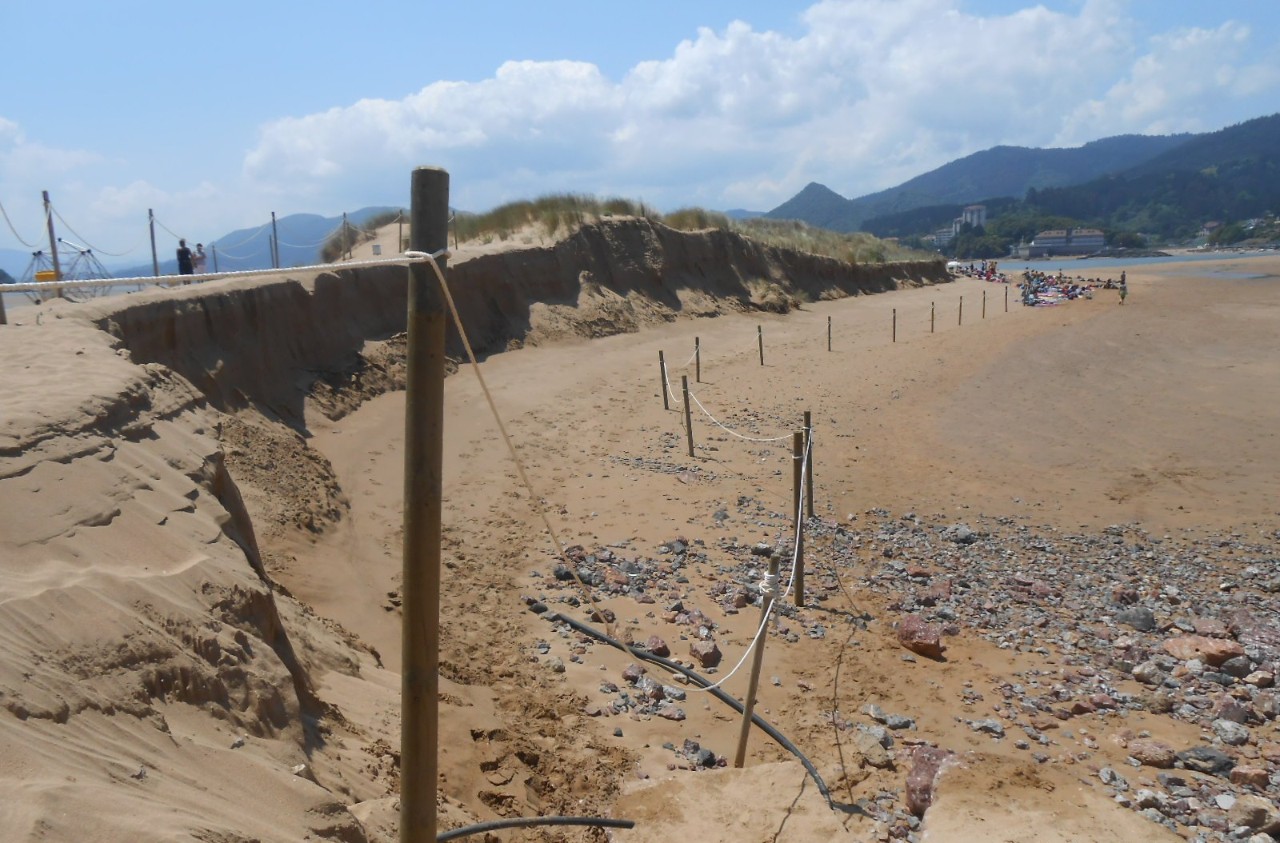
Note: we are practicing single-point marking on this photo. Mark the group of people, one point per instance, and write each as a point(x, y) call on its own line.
point(189, 262)
point(1041, 288)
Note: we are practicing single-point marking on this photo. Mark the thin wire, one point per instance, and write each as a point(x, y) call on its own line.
point(247, 238)
point(14, 230)
point(733, 432)
point(85, 240)
point(166, 228)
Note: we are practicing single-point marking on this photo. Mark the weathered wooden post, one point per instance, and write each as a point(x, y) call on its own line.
point(688, 418)
point(960, 321)
point(1006, 298)
point(760, 341)
point(4, 320)
point(662, 373)
point(984, 304)
point(697, 359)
point(808, 462)
point(797, 461)
point(757, 658)
point(932, 311)
point(155, 259)
point(423, 480)
point(895, 324)
point(828, 333)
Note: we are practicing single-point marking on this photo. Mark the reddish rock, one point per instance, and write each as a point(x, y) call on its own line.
point(1212, 651)
point(632, 672)
point(1083, 707)
point(657, 646)
point(1102, 701)
point(1251, 776)
point(927, 764)
point(921, 637)
point(1153, 753)
point(1211, 627)
point(706, 653)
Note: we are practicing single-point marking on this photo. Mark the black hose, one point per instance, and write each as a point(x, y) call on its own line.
point(717, 692)
point(525, 822)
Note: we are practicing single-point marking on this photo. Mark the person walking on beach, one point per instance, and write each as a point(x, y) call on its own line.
point(199, 260)
point(185, 266)
point(1124, 287)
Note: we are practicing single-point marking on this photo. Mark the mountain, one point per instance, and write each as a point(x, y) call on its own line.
point(996, 172)
point(14, 261)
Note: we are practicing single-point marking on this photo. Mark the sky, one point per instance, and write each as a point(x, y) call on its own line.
point(214, 115)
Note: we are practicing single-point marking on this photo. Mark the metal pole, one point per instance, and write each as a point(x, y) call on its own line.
point(757, 658)
point(760, 340)
point(155, 260)
point(697, 359)
point(808, 462)
point(797, 461)
point(662, 372)
point(688, 419)
point(423, 468)
point(53, 241)
point(275, 243)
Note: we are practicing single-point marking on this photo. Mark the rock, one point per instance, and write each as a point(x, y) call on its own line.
point(1149, 673)
point(960, 534)
point(919, 637)
point(706, 653)
point(1230, 732)
point(1250, 776)
point(1261, 679)
point(873, 754)
point(1239, 667)
point(555, 664)
point(1152, 753)
point(1256, 814)
point(671, 712)
point(1139, 617)
point(632, 673)
point(654, 644)
point(1205, 759)
point(927, 764)
point(990, 727)
point(303, 771)
point(1212, 651)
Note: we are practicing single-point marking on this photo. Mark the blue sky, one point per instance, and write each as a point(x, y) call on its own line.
point(217, 114)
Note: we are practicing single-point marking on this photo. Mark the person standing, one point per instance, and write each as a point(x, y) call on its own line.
point(185, 266)
point(199, 260)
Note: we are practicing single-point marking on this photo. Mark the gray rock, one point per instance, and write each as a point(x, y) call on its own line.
point(1139, 617)
point(1230, 732)
point(1206, 759)
point(990, 727)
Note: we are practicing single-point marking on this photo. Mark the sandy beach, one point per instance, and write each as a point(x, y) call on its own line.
point(200, 607)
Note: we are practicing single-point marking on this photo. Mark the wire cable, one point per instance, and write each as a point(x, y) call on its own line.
point(89, 245)
point(9, 223)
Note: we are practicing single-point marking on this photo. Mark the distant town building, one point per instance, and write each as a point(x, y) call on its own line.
point(1062, 241)
point(974, 215)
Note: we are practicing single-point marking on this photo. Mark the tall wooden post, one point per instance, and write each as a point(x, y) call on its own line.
point(760, 341)
point(275, 243)
point(808, 462)
point(346, 248)
point(688, 418)
point(4, 320)
point(423, 469)
point(932, 314)
point(895, 324)
point(828, 333)
point(53, 241)
point(960, 320)
point(155, 259)
point(213, 248)
point(1006, 298)
point(984, 304)
point(697, 359)
point(797, 460)
point(757, 658)
point(662, 372)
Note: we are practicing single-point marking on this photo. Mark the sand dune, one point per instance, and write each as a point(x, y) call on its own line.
point(201, 563)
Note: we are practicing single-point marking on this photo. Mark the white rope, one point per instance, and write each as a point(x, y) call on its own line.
point(9, 223)
point(89, 245)
point(733, 432)
point(251, 235)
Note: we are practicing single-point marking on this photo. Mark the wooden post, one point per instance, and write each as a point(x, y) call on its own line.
point(797, 461)
point(828, 333)
point(213, 248)
point(688, 419)
point(757, 658)
point(808, 462)
point(697, 359)
point(961, 318)
point(275, 243)
point(4, 320)
point(984, 304)
point(53, 242)
point(662, 372)
point(895, 324)
point(932, 312)
point(423, 469)
point(155, 259)
point(1006, 298)
point(760, 341)
point(346, 250)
